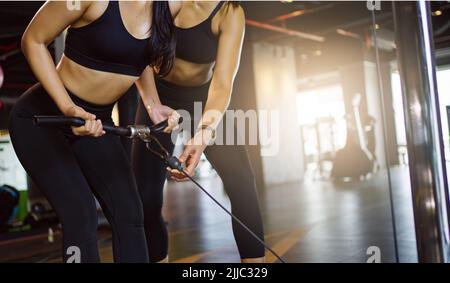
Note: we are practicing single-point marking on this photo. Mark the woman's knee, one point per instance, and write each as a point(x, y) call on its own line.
point(130, 214)
point(80, 224)
point(152, 198)
point(241, 188)
point(153, 209)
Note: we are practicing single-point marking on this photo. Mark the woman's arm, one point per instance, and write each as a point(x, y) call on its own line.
point(149, 96)
point(231, 36)
point(51, 19)
point(147, 88)
point(232, 29)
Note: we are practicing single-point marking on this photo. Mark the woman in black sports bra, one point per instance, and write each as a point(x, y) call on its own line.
point(209, 40)
point(109, 46)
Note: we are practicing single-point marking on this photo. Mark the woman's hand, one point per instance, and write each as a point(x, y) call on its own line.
point(159, 113)
point(91, 127)
point(191, 155)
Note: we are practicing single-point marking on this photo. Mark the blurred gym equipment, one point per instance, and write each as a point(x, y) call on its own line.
point(354, 160)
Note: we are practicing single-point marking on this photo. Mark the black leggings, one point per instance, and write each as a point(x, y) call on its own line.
point(230, 161)
point(70, 169)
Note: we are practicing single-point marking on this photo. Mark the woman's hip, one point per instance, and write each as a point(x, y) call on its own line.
point(36, 101)
point(182, 97)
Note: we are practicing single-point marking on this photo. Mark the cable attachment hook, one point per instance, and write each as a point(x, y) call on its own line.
point(141, 132)
point(163, 154)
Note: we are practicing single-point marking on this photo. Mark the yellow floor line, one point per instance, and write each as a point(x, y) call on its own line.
point(197, 257)
point(286, 243)
point(281, 247)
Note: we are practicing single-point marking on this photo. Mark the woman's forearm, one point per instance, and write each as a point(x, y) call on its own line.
point(147, 88)
point(149, 98)
point(225, 69)
point(44, 69)
point(215, 107)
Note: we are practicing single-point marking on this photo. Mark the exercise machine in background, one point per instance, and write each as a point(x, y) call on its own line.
point(356, 160)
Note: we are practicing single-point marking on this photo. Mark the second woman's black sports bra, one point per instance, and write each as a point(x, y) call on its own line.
point(198, 44)
point(106, 45)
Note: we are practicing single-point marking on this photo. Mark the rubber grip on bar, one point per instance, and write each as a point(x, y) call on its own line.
point(54, 121)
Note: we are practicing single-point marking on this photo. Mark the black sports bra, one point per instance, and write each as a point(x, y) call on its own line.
point(198, 44)
point(106, 45)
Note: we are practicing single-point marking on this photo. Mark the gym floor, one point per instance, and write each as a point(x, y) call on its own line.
point(310, 221)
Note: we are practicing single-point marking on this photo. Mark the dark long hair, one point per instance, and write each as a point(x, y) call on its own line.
point(162, 38)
